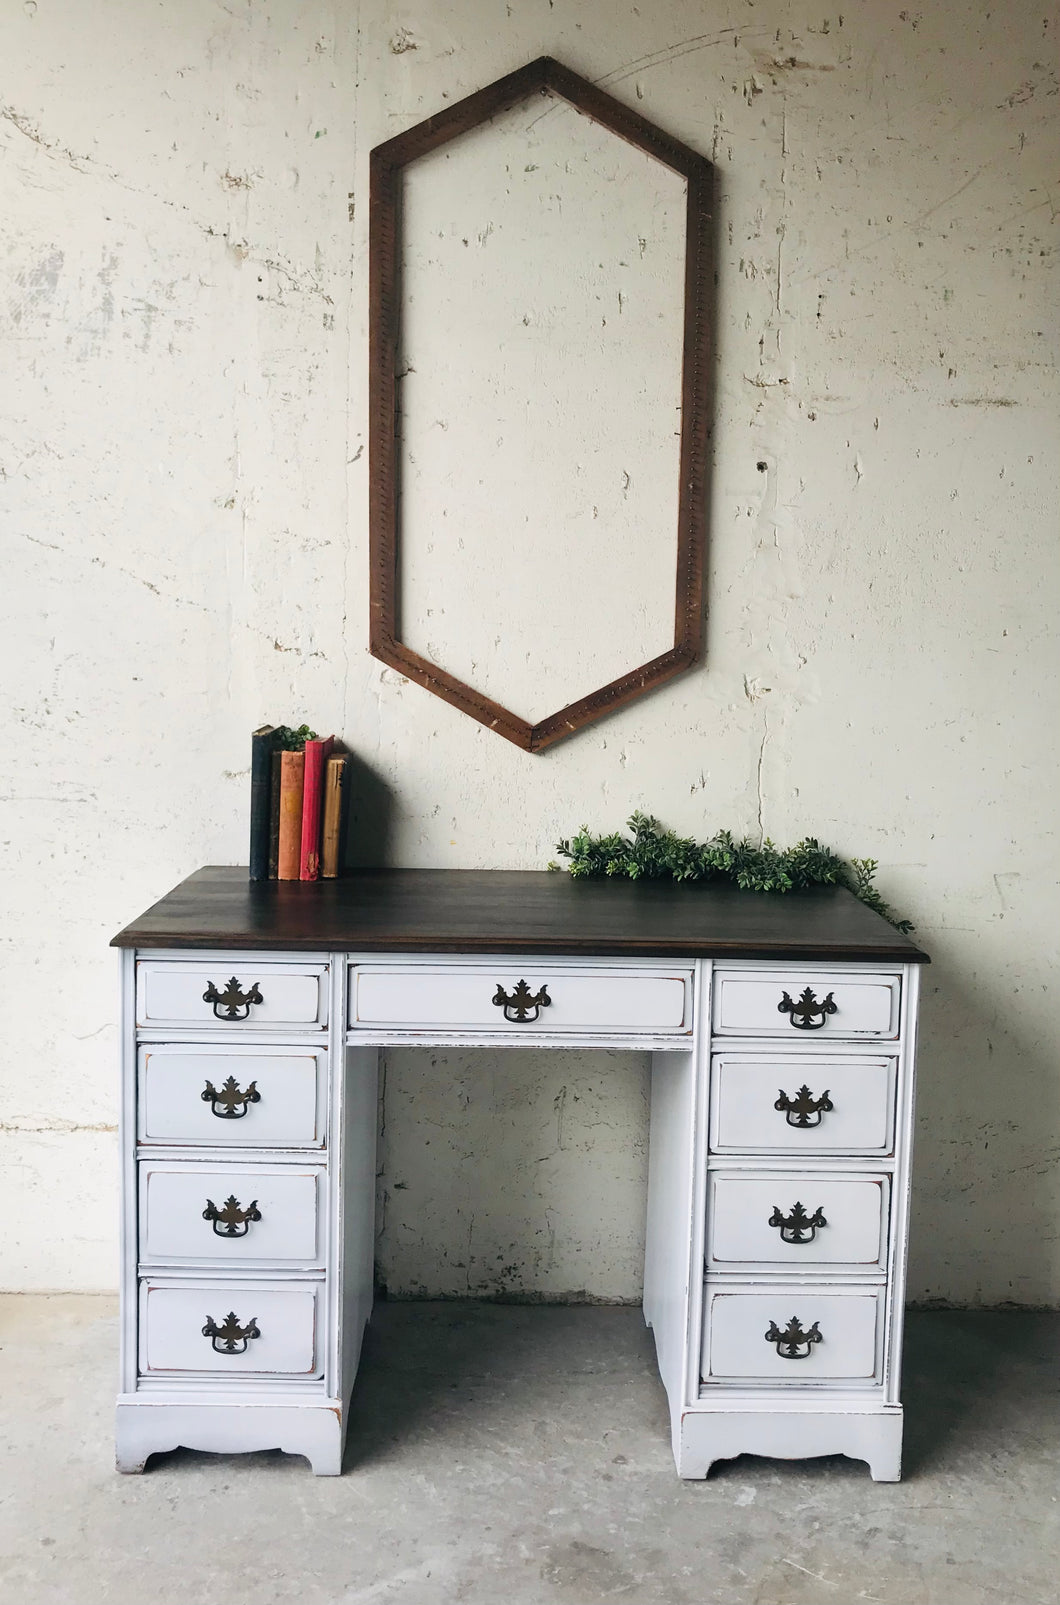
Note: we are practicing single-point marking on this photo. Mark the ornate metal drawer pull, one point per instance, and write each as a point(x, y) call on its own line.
point(518, 1004)
point(793, 1343)
point(801, 1014)
point(231, 1220)
point(233, 998)
point(230, 1098)
point(798, 1227)
point(804, 1109)
point(230, 1337)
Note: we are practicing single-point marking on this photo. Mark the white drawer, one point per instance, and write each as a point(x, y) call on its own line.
point(231, 1215)
point(806, 1005)
point(235, 1097)
point(793, 1103)
point(796, 1220)
point(273, 1330)
point(231, 995)
point(541, 998)
point(842, 1329)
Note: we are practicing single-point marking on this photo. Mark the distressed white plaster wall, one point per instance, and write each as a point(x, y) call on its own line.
point(523, 1174)
point(184, 490)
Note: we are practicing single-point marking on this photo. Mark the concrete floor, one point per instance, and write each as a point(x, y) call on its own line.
point(520, 1455)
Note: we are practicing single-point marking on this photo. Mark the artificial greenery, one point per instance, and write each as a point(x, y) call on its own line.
point(654, 853)
point(288, 740)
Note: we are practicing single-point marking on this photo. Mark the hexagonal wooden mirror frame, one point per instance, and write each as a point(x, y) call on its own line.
point(544, 76)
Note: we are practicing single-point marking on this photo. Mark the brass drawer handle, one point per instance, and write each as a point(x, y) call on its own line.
point(804, 1110)
point(231, 1220)
point(793, 1343)
point(233, 998)
point(230, 1099)
point(801, 1014)
point(230, 1337)
point(798, 1227)
point(517, 1005)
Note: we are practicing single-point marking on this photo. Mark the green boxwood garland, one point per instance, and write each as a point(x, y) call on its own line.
point(657, 854)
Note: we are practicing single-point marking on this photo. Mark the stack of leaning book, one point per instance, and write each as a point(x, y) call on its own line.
point(298, 805)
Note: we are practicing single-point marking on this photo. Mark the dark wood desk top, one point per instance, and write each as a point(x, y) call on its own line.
point(514, 911)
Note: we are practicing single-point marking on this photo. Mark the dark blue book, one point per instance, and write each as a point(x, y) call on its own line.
point(261, 745)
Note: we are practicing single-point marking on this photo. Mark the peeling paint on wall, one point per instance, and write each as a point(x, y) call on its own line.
point(514, 1176)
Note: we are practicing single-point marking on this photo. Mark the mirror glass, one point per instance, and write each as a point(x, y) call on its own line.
point(539, 405)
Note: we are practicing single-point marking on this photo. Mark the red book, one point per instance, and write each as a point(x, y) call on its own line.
point(316, 756)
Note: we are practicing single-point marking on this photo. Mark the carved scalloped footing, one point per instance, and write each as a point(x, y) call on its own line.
point(701, 1437)
point(313, 1430)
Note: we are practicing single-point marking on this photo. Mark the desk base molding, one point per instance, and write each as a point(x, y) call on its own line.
point(702, 1437)
point(317, 1431)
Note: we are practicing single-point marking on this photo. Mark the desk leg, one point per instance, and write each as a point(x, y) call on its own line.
point(353, 1214)
point(670, 1194)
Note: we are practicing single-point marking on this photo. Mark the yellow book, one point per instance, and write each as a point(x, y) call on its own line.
point(331, 844)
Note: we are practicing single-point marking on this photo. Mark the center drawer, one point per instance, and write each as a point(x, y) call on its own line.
point(247, 1215)
point(522, 999)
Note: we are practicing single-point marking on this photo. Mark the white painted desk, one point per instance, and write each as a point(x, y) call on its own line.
point(782, 1033)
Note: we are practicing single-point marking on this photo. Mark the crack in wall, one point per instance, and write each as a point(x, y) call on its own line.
point(90, 166)
point(27, 127)
point(26, 1126)
point(758, 778)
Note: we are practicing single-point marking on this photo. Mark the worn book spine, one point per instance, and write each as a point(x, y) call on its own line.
point(289, 848)
point(316, 756)
point(261, 744)
point(346, 812)
point(274, 812)
point(335, 793)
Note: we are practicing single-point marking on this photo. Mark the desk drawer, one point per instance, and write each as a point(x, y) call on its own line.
point(252, 1328)
point(231, 995)
point(806, 1005)
point(796, 1221)
point(792, 1335)
point(236, 1097)
point(795, 1103)
point(244, 1215)
point(532, 998)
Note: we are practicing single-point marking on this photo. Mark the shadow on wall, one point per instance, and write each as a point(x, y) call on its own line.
point(985, 1228)
point(371, 818)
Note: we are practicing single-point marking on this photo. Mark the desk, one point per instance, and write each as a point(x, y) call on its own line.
point(782, 1033)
